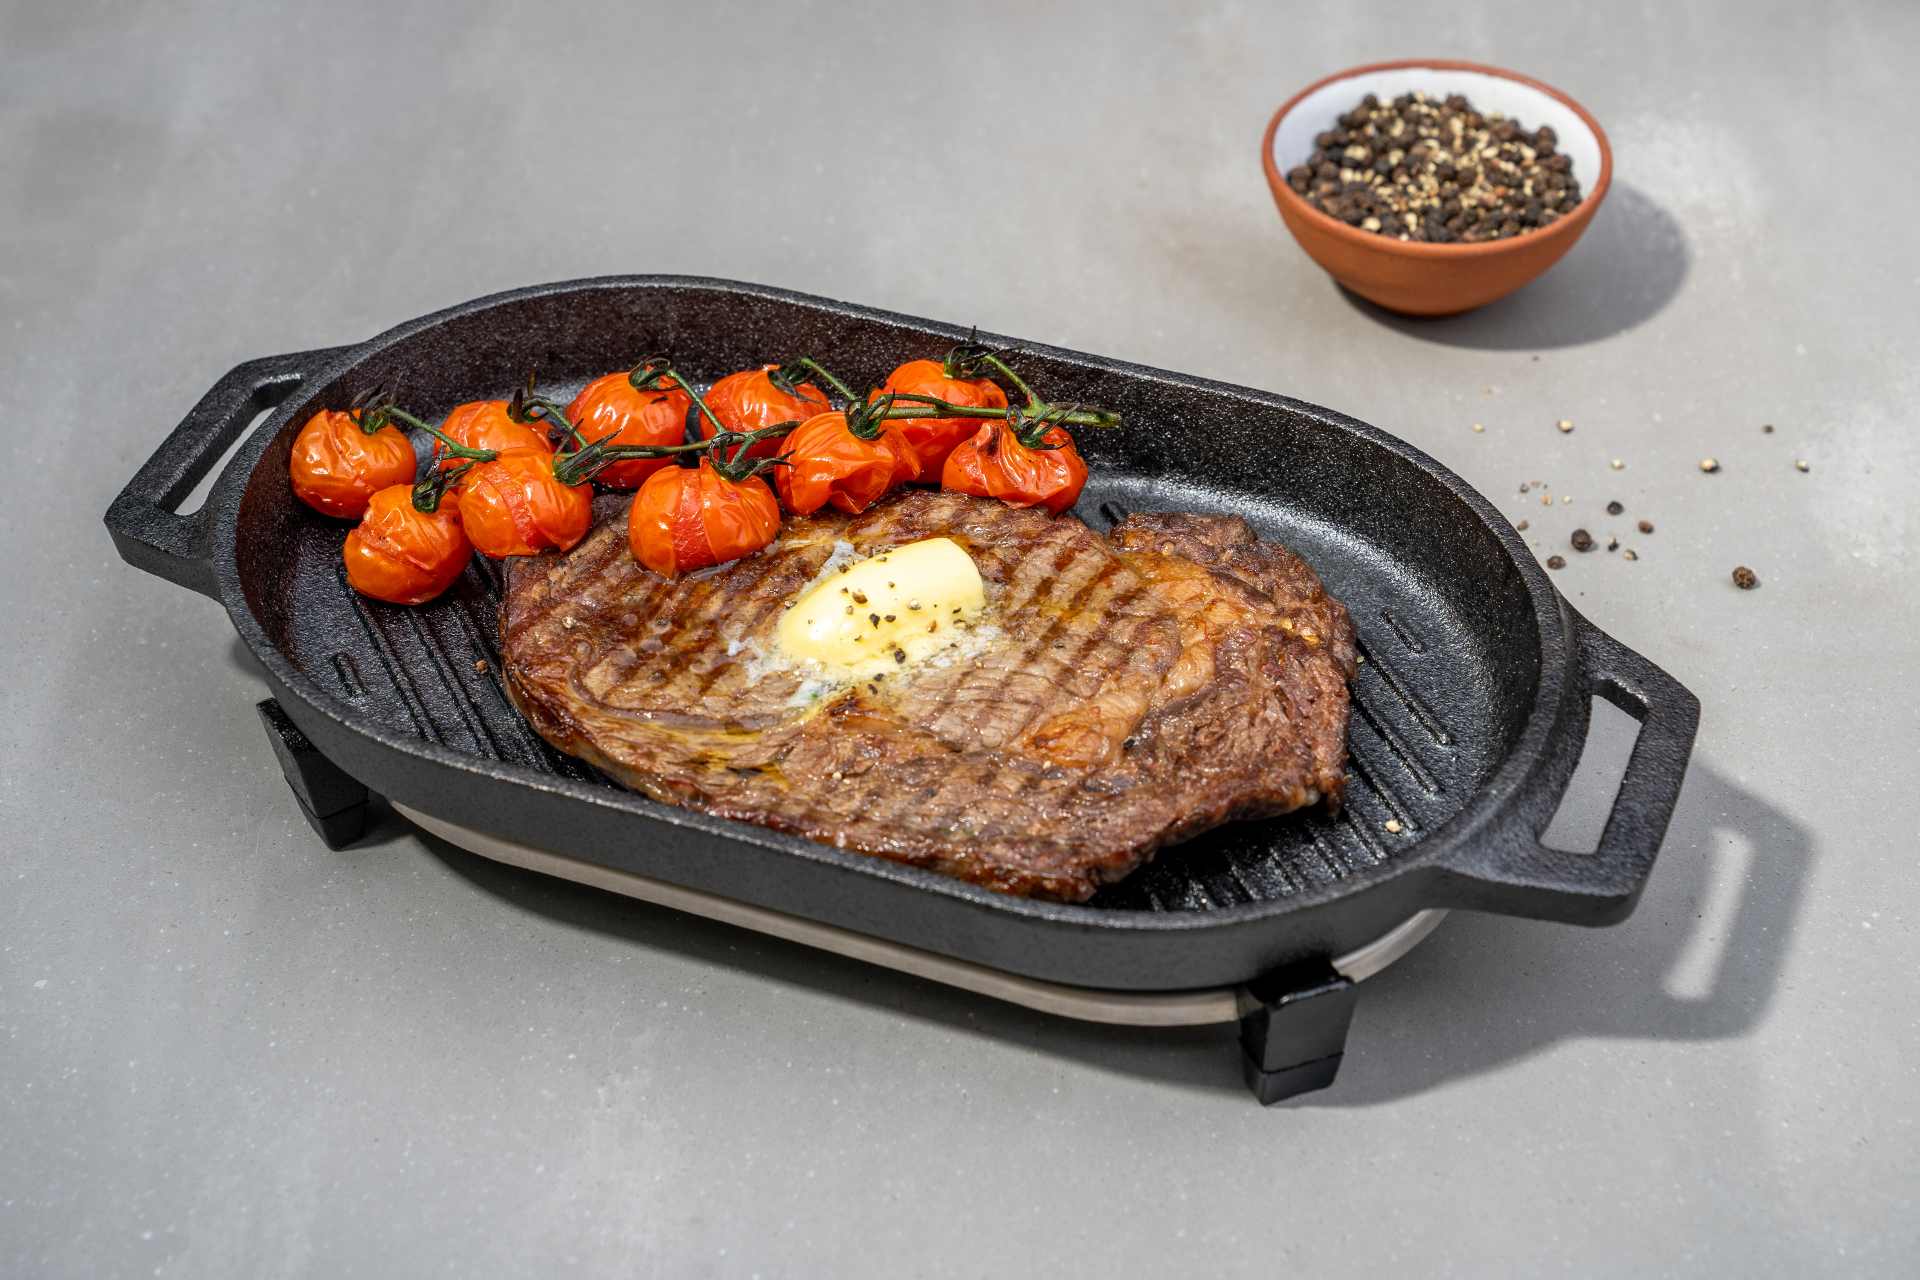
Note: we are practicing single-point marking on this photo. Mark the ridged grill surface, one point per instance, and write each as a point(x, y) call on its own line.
point(435, 672)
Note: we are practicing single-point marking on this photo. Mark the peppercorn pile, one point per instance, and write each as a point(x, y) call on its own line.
point(1422, 168)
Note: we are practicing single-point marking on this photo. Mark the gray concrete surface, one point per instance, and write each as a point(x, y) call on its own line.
point(227, 1052)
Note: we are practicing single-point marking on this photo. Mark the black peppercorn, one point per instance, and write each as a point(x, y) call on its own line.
point(1392, 162)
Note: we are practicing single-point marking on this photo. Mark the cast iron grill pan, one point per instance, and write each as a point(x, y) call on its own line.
point(1470, 704)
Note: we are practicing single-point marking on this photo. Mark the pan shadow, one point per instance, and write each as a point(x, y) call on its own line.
point(1630, 264)
point(1700, 960)
point(1196, 1058)
point(1447, 1011)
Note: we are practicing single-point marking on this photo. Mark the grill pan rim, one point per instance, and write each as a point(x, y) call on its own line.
point(1530, 753)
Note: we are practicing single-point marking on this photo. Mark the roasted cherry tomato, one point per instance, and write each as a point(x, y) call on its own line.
point(489, 424)
point(997, 463)
point(514, 505)
point(338, 464)
point(754, 398)
point(402, 553)
point(624, 408)
point(687, 518)
point(932, 439)
point(826, 463)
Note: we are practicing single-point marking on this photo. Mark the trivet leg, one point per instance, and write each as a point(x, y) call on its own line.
point(1293, 1029)
point(335, 804)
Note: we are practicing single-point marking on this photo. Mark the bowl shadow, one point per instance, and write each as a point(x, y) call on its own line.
point(1629, 266)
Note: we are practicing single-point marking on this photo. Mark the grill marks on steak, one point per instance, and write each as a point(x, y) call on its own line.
point(1124, 691)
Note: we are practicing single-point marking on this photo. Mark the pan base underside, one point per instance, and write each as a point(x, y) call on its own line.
point(1088, 1004)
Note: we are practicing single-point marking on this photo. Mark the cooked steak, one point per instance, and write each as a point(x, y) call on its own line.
point(1122, 692)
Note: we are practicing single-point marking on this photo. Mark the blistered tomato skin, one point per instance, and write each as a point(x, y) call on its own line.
point(688, 518)
point(826, 464)
point(750, 399)
point(931, 440)
point(514, 506)
point(994, 464)
point(336, 467)
point(486, 424)
point(613, 406)
point(401, 554)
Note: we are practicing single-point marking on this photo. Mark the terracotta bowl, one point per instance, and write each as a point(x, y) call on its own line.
point(1433, 279)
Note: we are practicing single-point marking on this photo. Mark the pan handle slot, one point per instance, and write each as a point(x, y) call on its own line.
point(1588, 800)
point(1514, 872)
point(144, 521)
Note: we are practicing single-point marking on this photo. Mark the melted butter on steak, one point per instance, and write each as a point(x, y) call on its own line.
point(1124, 692)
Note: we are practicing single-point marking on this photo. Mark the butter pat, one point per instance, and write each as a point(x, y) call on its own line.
point(885, 612)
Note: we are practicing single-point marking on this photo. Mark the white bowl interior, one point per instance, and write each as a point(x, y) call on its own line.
point(1319, 110)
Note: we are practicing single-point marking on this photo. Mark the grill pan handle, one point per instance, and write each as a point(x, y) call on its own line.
point(146, 530)
point(1520, 876)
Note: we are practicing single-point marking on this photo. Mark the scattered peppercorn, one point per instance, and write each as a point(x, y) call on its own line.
point(1768, 428)
point(1427, 168)
point(1614, 508)
point(1645, 526)
point(1800, 464)
point(1556, 562)
point(1745, 578)
point(1709, 465)
point(1617, 465)
point(1522, 526)
point(1582, 540)
point(1479, 426)
point(1613, 543)
point(1630, 554)
point(1565, 425)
